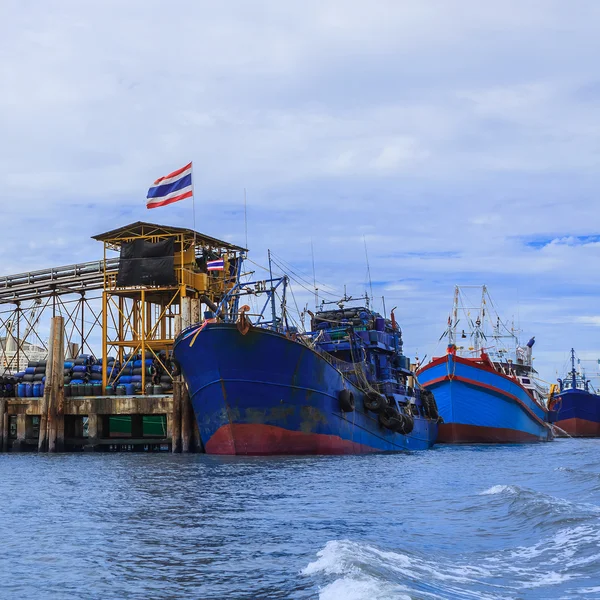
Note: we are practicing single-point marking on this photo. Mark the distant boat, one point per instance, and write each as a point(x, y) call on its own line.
point(577, 404)
point(487, 390)
point(261, 386)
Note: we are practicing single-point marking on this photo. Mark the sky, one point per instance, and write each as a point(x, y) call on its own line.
point(458, 140)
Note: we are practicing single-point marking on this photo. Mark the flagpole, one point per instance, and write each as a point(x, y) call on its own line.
point(194, 209)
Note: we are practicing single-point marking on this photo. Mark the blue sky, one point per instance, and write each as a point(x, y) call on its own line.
point(460, 139)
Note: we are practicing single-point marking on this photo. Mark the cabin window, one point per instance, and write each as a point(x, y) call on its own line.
point(525, 380)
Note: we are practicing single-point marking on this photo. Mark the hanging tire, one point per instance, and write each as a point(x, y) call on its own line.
point(346, 400)
point(375, 402)
point(407, 424)
point(430, 404)
point(390, 418)
point(175, 368)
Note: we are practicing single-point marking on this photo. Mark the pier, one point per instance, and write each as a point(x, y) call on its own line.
point(127, 307)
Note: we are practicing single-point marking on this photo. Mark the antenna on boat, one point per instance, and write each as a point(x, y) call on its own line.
point(368, 268)
point(246, 218)
point(383, 302)
point(312, 251)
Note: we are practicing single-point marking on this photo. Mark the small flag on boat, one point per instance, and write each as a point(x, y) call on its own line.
point(216, 265)
point(171, 188)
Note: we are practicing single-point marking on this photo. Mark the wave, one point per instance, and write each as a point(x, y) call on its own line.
point(568, 560)
point(538, 509)
point(581, 475)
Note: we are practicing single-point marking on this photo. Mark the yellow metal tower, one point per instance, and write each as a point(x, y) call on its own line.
point(162, 274)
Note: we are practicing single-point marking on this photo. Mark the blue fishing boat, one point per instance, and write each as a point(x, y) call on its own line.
point(577, 404)
point(260, 386)
point(486, 391)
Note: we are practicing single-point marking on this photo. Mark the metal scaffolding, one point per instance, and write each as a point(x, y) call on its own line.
point(140, 320)
point(28, 301)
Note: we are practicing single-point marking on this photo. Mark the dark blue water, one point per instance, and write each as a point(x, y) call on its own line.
point(471, 522)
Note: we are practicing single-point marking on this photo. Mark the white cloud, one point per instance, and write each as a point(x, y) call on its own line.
point(446, 132)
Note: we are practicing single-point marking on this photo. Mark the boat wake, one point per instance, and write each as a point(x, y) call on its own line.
point(564, 563)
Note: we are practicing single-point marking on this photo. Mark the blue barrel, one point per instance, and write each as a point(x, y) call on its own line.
point(69, 364)
point(125, 379)
point(80, 369)
point(136, 379)
point(380, 324)
point(36, 390)
point(28, 390)
point(129, 389)
point(21, 390)
point(30, 370)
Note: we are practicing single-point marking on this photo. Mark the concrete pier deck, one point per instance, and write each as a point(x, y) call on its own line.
point(83, 424)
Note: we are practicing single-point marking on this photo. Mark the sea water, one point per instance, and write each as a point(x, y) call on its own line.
point(454, 522)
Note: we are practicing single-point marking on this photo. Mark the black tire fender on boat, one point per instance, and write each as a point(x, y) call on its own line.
point(407, 424)
point(430, 404)
point(390, 418)
point(346, 400)
point(175, 368)
point(375, 401)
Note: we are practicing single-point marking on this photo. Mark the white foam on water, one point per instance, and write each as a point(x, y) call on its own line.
point(498, 489)
point(366, 589)
point(330, 560)
point(546, 579)
point(362, 571)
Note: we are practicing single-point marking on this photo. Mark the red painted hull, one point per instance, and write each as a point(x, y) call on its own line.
point(456, 433)
point(577, 427)
point(261, 440)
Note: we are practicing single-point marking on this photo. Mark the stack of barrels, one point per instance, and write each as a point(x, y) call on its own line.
point(31, 381)
point(158, 380)
point(86, 374)
point(8, 386)
point(83, 377)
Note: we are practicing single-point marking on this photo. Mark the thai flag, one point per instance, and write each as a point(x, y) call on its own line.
point(171, 188)
point(215, 265)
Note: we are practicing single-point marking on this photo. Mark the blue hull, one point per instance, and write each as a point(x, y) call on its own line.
point(262, 393)
point(579, 413)
point(479, 405)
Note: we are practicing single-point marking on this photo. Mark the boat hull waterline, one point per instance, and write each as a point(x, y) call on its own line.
point(480, 405)
point(264, 394)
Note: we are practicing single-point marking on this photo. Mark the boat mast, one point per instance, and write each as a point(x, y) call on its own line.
point(273, 310)
point(453, 319)
point(573, 374)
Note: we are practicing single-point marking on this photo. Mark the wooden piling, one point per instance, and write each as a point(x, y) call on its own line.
point(188, 307)
point(19, 443)
point(94, 433)
point(187, 420)
point(44, 403)
point(176, 418)
point(56, 400)
point(5, 432)
point(2, 411)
